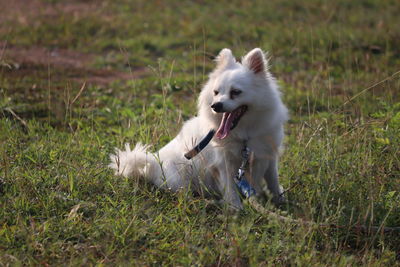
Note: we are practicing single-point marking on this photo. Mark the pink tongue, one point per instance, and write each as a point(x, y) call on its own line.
point(225, 126)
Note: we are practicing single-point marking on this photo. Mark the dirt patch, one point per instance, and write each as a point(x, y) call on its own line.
point(22, 61)
point(44, 56)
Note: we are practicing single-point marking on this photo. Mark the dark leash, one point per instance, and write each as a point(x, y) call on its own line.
point(203, 143)
point(244, 187)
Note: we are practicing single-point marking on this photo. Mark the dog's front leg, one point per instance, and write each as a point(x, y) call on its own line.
point(271, 177)
point(256, 174)
point(230, 194)
point(227, 187)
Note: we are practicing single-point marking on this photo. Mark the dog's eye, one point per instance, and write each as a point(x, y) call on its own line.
point(235, 92)
point(216, 92)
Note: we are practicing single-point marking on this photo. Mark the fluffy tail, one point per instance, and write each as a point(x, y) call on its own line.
point(136, 162)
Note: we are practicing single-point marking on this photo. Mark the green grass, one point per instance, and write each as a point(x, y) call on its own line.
point(60, 204)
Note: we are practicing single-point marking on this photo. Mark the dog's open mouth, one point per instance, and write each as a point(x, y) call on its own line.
point(229, 121)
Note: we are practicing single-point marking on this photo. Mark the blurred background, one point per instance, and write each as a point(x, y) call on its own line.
point(324, 48)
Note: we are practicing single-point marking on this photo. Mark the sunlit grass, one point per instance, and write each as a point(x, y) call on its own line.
point(60, 204)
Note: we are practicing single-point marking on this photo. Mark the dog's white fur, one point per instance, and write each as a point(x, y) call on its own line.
point(212, 171)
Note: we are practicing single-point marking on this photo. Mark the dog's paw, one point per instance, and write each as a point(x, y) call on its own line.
point(279, 200)
point(234, 207)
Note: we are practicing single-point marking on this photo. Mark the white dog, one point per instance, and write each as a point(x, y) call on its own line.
point(241, 101)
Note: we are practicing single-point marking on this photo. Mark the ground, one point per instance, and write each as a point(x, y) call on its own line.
point(79, 78)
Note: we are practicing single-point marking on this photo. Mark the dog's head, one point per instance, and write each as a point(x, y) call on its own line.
point(235, 88)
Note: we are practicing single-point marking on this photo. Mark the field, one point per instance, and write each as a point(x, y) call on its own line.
point(79, 78)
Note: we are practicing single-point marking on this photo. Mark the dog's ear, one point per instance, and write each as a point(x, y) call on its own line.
point(255, 61)
point(225, 59)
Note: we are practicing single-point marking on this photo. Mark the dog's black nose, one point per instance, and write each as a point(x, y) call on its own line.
point(217, 107)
